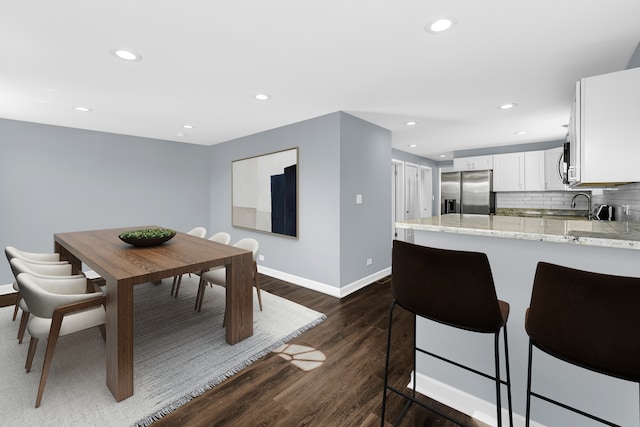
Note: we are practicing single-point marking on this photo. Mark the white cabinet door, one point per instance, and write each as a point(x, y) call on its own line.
point(553, 169)
point(473, 163)
point(610, 125)
point(534, 171)
point(508, 172)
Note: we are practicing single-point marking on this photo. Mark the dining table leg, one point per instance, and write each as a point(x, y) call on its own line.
point(239, 298)
point(119, 348)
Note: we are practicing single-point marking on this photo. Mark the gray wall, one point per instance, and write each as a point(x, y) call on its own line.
point(339, 156)
point(314, 255)
point(365, 160)
point(56, 179)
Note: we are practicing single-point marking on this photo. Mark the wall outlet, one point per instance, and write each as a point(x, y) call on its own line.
point(369, 261)
point(358, 199)
point(260, 257)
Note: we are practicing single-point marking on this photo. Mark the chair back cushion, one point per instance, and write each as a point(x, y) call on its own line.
point(221, 237)
point(12, 252)
point(19, 265)
point(42, 298)
point(248, 244)
point(198, 232)
point(447, 286)
point(589, 319)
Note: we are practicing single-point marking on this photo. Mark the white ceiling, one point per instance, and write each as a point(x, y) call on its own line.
point(203, 60)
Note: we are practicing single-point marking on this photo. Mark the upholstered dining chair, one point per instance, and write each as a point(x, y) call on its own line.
point(12, 252)
point(38, 269)
point(41, 257)
point(218, 275)
point(221, 237)
point(198, 232)
point(55, 315)
point(587, 319)
point(453, 288)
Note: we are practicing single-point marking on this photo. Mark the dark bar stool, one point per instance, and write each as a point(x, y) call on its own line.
point(590, 320)
point(454, 288)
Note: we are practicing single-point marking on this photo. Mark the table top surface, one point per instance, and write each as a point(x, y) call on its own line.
point(106, 254)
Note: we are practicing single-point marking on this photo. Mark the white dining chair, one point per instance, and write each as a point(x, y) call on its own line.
point(41, 257)
point(55, 315)
point(198, 232)
point(221, 237)
point(218, 275)
point(43, 270)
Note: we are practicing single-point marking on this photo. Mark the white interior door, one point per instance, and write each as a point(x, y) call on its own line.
point(397, 199)
point(426, 191)
point(411, 196)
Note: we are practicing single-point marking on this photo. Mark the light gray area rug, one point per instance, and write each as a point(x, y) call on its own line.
point(178, 354)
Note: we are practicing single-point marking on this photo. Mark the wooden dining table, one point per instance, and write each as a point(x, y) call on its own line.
point(123, 266)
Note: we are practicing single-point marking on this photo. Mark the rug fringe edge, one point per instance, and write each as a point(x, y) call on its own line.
point(166, 410)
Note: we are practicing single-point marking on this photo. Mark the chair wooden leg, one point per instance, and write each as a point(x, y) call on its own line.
point(178, 286)
point(202, 285)
point(23, 326)
point(256, 282)
point(33, 344)
point(16, 306)
point(48, 355)
point(103, 332)
point(173, 284)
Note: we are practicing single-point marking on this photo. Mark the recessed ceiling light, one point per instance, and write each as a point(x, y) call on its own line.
point(180, 134)
point(413, 145)
point(520, 132)
point(126, 55)
point(262, 96)
point(187, 126)
point(442, 156)
point(83, 109)
point(508, 106)
point(439, 25)
point(411, 123)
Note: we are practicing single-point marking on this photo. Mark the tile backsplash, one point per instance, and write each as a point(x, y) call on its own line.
point(616, 196)
point(540, 200)
point(624, 195)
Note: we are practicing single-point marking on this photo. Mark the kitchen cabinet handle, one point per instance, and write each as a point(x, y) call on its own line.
point(559, 168)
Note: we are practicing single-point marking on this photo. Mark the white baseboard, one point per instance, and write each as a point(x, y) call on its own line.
point(466, 403)
point(322, 287)
point(365, 281)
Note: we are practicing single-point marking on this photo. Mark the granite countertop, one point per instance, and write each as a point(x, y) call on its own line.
point(613, 234)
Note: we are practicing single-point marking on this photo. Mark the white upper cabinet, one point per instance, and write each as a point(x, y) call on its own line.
point(521, 171)
point(508, 172)
point(534, 171)
point(473, 163)
point(553, 164)
point(604, 130)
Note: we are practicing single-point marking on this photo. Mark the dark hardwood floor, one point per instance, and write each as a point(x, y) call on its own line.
point(346, 390)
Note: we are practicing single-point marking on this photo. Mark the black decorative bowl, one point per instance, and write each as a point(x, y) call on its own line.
point(147, 237)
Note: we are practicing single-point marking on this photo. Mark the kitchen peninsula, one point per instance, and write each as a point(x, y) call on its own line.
point(514, 246)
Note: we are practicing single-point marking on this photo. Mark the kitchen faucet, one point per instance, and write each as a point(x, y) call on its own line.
point(573, 202)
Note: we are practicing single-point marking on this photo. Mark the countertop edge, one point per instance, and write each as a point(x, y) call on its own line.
point(523, 235)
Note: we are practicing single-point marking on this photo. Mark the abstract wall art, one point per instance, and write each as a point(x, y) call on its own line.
point(265, 193)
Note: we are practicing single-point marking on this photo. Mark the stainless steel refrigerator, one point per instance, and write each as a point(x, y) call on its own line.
point(468, 192)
